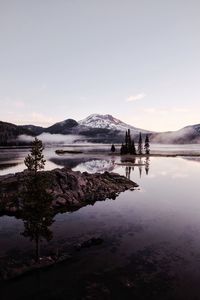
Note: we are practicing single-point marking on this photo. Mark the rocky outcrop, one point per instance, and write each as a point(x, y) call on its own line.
point(69, 189)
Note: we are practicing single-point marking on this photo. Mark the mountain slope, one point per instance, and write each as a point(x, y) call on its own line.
point(108, 122)
point(186, 135)
point(32, 128)
point(9, 133)
point(64, 127)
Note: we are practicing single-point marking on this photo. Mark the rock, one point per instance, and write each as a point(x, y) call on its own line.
point(89, 243)
point(69, 189)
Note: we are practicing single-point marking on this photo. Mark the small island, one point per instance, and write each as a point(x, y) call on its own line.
point(69, 190)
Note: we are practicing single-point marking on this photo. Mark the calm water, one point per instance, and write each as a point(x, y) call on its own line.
point(151, 236)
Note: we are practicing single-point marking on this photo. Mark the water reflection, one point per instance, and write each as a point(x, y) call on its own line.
point(37, 213)
point(140, 163)
point(140, 166)
point(147, 165)
point(100, 165)
point(128, 171)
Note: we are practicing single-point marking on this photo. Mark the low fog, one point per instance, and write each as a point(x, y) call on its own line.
point(184, 135)
point(57, 139)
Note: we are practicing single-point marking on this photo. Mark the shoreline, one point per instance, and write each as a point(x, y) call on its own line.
point(156, 155)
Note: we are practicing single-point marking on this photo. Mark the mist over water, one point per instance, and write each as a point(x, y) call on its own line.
point(54, 139)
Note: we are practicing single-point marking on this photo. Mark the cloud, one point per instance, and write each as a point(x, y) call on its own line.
point(136, 97)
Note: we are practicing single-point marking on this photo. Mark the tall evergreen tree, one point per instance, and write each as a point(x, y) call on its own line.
point(123, 149)
point(140, 144)
point(129, 144)
point(126, 142)
point(133, 150)
point(147, 145)
point(35, 161)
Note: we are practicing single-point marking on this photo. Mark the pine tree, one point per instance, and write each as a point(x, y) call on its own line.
point(123, 149)
point(146, 145)
point(140, 144)
point(112, 148)
point(129, 144)
point(126, 140)
point(35, 161)
point(133, 150)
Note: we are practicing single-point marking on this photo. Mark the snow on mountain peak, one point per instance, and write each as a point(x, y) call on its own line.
point(107, 121)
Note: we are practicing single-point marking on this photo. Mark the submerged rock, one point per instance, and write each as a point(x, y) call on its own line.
point(89, 243)
point(69, 189)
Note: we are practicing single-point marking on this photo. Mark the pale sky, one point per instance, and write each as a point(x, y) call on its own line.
point(138, 60)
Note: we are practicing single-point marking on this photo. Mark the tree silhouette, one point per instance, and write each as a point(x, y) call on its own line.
point(126, 141)
point(140, 144)
point(128, 147)
point(133, 150)
point(147, 145)
point(35, 161)
point(123, 149)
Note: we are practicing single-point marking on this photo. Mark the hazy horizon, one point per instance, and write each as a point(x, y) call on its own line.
point(136, 60)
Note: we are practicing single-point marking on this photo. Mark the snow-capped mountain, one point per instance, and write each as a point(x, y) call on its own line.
point(108, 122)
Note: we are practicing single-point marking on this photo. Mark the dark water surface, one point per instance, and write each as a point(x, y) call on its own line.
point(150, 237)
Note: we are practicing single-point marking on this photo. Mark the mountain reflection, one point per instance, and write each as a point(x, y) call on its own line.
point(37, 213)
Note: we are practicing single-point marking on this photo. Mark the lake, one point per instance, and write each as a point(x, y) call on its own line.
point(150, 236)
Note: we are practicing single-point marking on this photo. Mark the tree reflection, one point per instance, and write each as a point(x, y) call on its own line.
point(147, 164)
point(37, 213)
point(128, 172)
point(140, 164)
